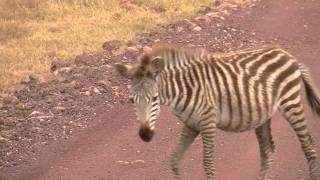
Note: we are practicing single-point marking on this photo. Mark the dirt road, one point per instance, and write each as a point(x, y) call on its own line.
point(112, 149)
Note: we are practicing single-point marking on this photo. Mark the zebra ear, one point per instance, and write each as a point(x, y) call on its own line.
point(124, 70)
point(157, 65)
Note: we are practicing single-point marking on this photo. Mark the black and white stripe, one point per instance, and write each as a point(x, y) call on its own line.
point(235, 91)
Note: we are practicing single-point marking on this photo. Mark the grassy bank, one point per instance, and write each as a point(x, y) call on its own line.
point(33, 32)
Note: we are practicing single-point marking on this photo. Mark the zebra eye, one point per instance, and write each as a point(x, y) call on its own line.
point(154, 98)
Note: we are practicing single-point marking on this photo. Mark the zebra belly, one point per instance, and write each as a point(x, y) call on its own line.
point(242, 128)
point(238, 123)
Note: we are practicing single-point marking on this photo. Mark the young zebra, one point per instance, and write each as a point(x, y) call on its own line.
point(235, 91)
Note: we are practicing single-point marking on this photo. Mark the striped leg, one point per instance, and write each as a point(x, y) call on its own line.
point(267, 149)
point(292, 110)
point(186, 139)
point(207, 130)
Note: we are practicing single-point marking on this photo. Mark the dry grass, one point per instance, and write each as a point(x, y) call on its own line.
point(33, 32)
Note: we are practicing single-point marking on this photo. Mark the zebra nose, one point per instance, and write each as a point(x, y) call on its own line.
point(146, 134)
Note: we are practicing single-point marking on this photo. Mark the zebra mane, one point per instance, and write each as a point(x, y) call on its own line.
point(160, 48)
point(164, 48)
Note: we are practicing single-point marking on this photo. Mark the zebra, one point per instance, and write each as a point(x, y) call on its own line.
point(234, 91)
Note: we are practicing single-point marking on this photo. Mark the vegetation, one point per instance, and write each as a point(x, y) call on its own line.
point(33, 32)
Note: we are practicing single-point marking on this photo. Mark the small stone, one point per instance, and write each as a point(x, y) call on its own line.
point(2, 139)
point(179, 29)
point(66, 70)
point(36, 129)
point(59, 108)
point(96, 90)
point(87, 93)
point(196, 29)
point(204, 18)
point(35, 113)
point(147, 49)
point(21, 106)
point(103, 83)
point(226, 12)
point(121, 50)
point(212, 14)
point(137, 161)
point(133, 49)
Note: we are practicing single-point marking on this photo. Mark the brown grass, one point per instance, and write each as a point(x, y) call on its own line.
point(33, 32)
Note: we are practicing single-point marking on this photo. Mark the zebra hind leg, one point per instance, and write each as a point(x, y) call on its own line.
point(208, 130)
point(292, 110)
point(186, 139)
point(267, 149)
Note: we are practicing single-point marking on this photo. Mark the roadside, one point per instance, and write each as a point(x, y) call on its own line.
point(55, 105)
point(110, 147)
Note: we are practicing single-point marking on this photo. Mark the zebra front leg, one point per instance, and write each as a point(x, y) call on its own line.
point(207, 130)
point(186, 139)
point(267, 148)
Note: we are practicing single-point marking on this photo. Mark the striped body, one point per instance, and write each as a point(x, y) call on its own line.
point(234, 91)
point(244, 88)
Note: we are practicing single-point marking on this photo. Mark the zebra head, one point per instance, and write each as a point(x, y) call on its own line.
point(144, 91)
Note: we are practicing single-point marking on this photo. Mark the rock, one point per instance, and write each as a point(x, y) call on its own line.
point(204, 18)
point(3, 140)
point(34, 113)
point(179, 29)
point(103, 83)
point(147, 49)
point(137, 161)
point(196, 29)
point(121, 50)
point(65, 70)
point(96, 90)
point(20, 106)
point(226, 12)
point(133, 49)
point(213, 14)
point(59, 109)
point(87, 93)
point(36, 129)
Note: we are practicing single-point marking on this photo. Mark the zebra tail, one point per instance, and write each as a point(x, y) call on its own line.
point(311, 90)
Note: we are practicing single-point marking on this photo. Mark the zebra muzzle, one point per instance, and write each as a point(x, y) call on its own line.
point(146, 134)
